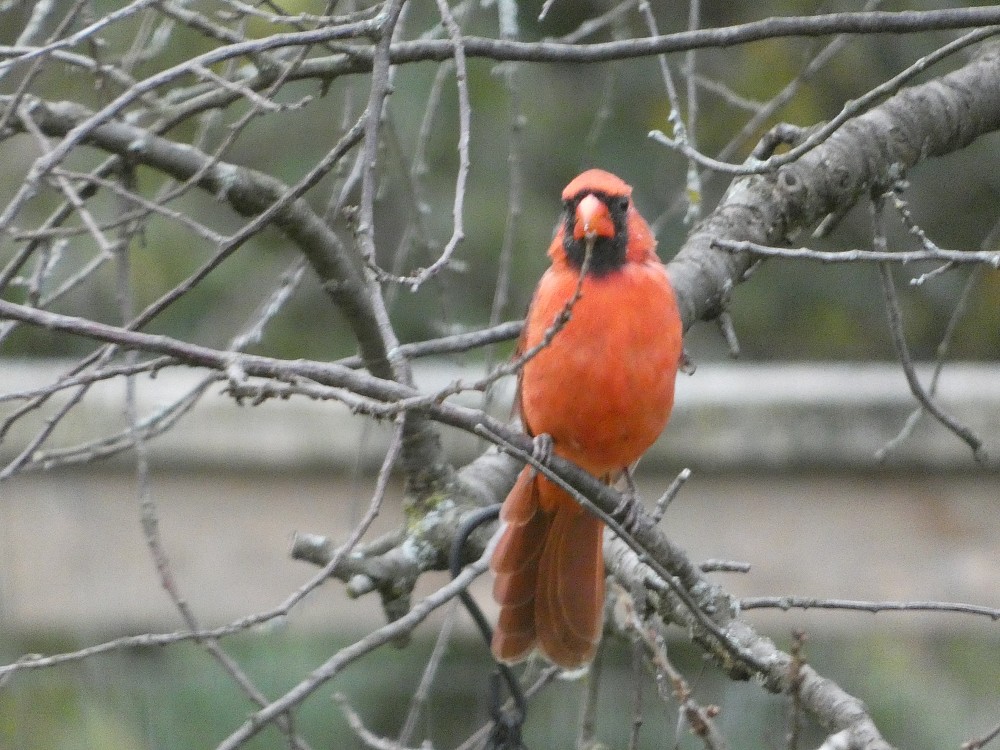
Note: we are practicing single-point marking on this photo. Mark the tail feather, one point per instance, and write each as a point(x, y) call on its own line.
point(515, 589)
point(515, 636)
point(579, 572)
point(519, 548)
point(522, 501)
point(518, 618)
point(515, 564)
point(570, 605)
point(549, 569)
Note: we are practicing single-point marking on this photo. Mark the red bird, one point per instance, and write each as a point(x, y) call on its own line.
point(602, 389)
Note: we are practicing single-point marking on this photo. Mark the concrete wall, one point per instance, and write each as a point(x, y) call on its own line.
point(784, 478)
point(727, 417)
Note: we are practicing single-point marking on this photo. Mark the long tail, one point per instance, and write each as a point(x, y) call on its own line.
point(549, 567)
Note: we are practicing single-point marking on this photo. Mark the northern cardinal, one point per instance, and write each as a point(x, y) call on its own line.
point(602, 389)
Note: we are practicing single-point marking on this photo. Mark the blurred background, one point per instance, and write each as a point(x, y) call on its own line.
point(782, 443)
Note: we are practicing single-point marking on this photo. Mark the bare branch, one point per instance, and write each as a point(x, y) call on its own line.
point(369, 738)
point(983, 741)
point(807, 602)
point(464, 117)
point(899, 340)
point(903, 257)
point(870, 22)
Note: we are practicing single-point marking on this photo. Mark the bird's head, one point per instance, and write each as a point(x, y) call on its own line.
point(596, 213)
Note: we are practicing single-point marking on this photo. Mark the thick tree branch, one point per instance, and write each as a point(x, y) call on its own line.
point(870, 22)
point(358, 59)
point(869, 153)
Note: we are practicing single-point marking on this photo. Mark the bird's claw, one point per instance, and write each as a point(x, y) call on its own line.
point(629, 510)
point(686, 364)
point(541, 448)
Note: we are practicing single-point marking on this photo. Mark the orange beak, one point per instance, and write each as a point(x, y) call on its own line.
point(593, 219)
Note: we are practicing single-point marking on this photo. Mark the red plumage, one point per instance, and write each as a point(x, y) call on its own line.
point(602, 389)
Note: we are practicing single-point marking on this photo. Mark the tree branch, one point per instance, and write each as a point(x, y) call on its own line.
point(875, 149)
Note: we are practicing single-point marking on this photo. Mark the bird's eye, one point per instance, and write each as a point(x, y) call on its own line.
point(621, 203)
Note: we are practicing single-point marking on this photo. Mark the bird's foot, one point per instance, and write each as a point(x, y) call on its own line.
point(629, 510)
point(541, 448)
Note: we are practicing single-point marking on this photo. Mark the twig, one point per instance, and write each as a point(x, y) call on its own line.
point(942, 350)
point(587, 731)
point(797, 652)
point(421, 695)
point(154, 424)
point(168, 415)
point(660, 509)
point(557, 324)
point(106, 373)
point(807, 602)
point(637, 683)
point(985, 257)
point(515, 191)
point(84, 129)
point(765, 112)
point(723, 566)
point(731, 97)
point(611, 17)
point(37, 66)
point(682, 136)
point(149, 514)
point(694, 191)
point(27, 454)
point(334, 558)
point(856, 22)
point(144, 208)
point(453, 344)
point(278, 19)
point(368, 737)
point(379, 91)
point(85, 33)
point(899, 340)
point(983, 741)
point(464, 118)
